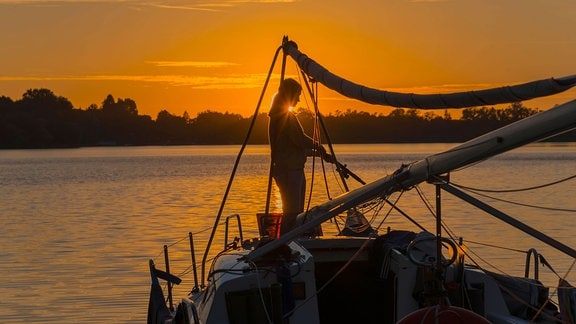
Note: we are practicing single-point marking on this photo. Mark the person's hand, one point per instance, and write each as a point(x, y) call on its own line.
point(320, 150)
point(325, 155)
point(328, 158)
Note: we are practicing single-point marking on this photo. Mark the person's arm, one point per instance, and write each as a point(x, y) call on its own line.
point(299, 138)
point(312, 147)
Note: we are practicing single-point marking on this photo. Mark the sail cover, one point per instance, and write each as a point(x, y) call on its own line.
point(507, 94)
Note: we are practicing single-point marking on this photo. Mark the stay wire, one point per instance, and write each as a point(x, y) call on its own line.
point(479, 193)
point(328, 139)
point(516, 190)
point(313, 92)
point(317, 140)
point(314, 138)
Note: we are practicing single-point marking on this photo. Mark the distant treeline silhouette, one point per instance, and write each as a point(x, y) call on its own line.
point(40, 119)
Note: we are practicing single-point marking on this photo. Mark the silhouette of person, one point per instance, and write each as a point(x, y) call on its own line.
point(290, 147)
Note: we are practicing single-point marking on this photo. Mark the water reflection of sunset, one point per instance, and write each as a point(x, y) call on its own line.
point(103, 212)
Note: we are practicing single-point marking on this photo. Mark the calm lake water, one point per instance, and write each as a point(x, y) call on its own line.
point(79, 225)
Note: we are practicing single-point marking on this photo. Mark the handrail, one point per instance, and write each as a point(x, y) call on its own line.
point(167, 263)
point(193, 256)
point(530, 252)
point(237, 216)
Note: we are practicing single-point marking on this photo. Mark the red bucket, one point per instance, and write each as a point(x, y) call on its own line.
point(269, 224)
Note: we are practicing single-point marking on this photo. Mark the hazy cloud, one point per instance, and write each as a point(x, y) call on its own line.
point(195, 82)
point(184, 5)
point(430, 1)
point(237, 81)
point(195, 64)
point(33, 2)
point(195, 7)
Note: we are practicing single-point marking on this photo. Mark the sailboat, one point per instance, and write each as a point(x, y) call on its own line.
point(361, 275)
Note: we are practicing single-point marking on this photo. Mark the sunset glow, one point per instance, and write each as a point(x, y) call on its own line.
point(215, 55)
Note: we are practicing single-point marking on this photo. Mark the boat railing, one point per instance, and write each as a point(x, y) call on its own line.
point(227, 226)
point(168, 277)
point(171, 279)
point(167, 263)
point(531, 252)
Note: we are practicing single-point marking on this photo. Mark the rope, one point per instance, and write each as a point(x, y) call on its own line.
point(516, 190)
point(513, 202)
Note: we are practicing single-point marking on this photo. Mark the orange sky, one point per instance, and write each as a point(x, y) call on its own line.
point(214, 55)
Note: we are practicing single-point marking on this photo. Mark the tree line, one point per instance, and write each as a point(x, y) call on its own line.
point(41, 119)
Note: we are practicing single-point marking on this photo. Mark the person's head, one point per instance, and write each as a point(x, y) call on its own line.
point(290, 89)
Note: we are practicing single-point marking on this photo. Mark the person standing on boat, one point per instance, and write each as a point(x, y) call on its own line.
point(290, 147)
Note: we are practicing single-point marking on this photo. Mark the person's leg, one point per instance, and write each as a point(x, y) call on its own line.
point(292, 186)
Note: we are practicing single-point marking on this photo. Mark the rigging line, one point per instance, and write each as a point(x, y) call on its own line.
point(566, 275)
point(342, 170)
point(329, 196)
point(515, 190)
point(406, 215)
point(325, 130)
point(317, 135)
point(345, 266)
point(570, 268)
point(385, 200)
point(497, 246)
point(425, 200)
point(556, 291)
point(317, 139)
point(195, 233)
point(467, 252)
point(545, 262)
point(521, 204)
point(310, 93)
point(393, 205)
point(558, 288)
point(374, 207)
point(428, 205)
point(314, 139)
point(182, 239)
point(261, 292)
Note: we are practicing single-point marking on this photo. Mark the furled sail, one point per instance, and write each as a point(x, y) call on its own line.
point(507, 94)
